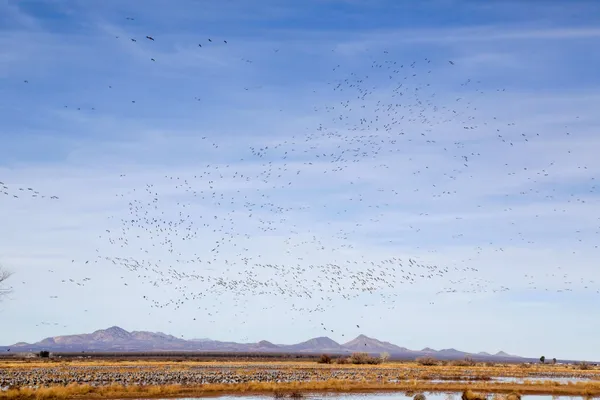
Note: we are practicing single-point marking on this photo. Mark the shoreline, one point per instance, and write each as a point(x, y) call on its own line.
point(77, 391)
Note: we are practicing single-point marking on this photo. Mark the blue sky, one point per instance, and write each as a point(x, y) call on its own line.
point(515, 229)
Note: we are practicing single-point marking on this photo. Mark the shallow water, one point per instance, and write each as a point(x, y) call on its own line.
point(388, 396)
point(513, 379)
point(428, 395)
point(563, 379)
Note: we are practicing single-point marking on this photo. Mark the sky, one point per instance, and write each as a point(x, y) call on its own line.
point(419, 172)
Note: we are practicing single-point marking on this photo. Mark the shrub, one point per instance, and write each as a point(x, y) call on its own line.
point(359, 358)
point(363, 358)
point(419, 396)
point(469, 361)
point(584, 365)
point(385, 356)
point(44, 354)
point(509, 396)
point(469, 395)
point(513, 396)
point(427, 360)
point(324, 359)
point(342, 360)
point(466, 362)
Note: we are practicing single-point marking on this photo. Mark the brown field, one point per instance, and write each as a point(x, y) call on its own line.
point(111, 379)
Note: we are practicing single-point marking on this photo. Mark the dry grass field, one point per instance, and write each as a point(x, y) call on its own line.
point(112, 379)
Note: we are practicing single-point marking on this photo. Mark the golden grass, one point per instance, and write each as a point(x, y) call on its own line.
point(516, 370)
point(471, 391)
point(411, 377)
point(403, 371)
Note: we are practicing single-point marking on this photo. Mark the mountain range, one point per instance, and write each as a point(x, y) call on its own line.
point(115, 339)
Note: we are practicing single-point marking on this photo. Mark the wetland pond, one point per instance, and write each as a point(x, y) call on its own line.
point(384, 396)
point(563, 379)
point(512, 379)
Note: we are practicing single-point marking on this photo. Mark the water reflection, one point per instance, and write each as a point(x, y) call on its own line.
point(428, 396)
point(391, 396)
point(563, 379)
point(513, 379)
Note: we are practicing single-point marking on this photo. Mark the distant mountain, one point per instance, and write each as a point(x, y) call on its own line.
point(370, 345)
point(265, 344)
point(201, 340)
point(119, 340)
point(320, 344)
point(111, 339)
point(453, 353)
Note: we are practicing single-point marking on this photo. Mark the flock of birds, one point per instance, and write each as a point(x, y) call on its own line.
point(22, 192)
point(198, 239)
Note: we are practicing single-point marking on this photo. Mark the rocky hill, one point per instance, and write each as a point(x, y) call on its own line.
point(117, 339)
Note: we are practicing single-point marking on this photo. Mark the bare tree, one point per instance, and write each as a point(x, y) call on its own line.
point(385, 356)
point(4, 275)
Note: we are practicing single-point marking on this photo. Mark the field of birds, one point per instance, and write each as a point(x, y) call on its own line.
point(35, 379)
